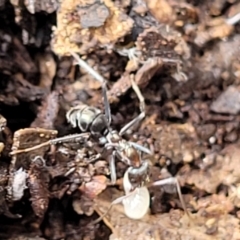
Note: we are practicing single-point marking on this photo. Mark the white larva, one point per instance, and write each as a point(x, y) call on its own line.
point(19, 184)
point(136, 205)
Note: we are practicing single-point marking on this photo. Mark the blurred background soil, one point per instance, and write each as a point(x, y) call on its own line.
point(185, 58)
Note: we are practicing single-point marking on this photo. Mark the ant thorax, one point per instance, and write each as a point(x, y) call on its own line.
point(113, 136)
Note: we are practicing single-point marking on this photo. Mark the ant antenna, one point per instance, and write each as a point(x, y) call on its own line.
point(99, 78)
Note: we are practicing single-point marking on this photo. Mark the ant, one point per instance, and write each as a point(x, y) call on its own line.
point(91, 120)
point(135, 181)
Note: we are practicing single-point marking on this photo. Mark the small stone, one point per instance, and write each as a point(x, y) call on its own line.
point(187, 157)
point(228, 102)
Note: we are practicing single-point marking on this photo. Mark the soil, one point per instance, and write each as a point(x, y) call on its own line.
point(184, 58)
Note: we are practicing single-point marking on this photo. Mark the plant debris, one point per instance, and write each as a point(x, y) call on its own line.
point(172, 66)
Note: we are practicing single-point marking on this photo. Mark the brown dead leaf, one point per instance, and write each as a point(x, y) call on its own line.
point(119, 88)
point(25, 138)
point(147, 71)
point(95, 186)
point(28, 137)
point(38, 188)
point(142, 78)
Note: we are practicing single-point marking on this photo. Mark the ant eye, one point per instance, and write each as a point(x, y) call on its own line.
point(102, 140)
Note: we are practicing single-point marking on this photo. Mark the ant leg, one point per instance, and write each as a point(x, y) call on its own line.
point(70, 171)
point(113, 168)
point(122, 156)
point(106, 103)
point(89, 69)
point(141, 148)
point(142, 107)
point(78, 137)
point(38, 160)
point(173, 181)
point(139, 94)
point(99, 78)
point(116, 201)
point(70, 138)
point(14, 152)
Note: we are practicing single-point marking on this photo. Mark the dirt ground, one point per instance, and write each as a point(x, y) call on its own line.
point(185, 58)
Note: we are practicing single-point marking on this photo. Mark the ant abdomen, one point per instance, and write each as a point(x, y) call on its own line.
point(88, 119)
